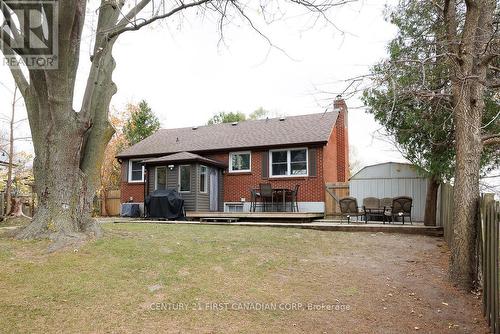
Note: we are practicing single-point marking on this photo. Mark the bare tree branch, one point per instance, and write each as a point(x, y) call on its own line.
point(491, 139)
point(8, 22)
point(257, 30)
point(449, 14)
point(493, 84)
point(127, 19)
point(17, 73)
point(146, 22)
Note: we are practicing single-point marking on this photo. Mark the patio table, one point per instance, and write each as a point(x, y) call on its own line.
point(379, 212)
point(283, 192)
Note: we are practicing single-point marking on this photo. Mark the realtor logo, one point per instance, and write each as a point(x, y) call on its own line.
point(28, 33)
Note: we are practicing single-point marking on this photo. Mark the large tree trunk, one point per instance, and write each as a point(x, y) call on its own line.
point(65, 198)
point(69, 146)
point(431, 202)
point(470, 52)
point(466, 191)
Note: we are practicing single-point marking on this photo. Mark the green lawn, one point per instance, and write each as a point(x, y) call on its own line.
point(114, 284)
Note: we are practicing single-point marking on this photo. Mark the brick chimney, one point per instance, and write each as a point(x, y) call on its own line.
point(342, 140)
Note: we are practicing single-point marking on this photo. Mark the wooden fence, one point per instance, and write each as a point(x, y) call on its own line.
point(487, 252)
point(110, 206)
point(334, 192)
point(489, 248)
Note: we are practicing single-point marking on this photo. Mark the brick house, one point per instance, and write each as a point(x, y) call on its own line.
point(214, 167)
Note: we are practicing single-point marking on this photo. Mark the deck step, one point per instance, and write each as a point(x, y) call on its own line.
point(256, 216)
point(219, 219)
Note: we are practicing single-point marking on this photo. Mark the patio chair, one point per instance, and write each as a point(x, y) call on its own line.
point(349, 207)
point(254, 197)
point(386, 205)
point(266, 195)
point(371, 207)
point(291, 196)
point(401, 207)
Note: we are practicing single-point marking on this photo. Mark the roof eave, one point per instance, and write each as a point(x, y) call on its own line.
point(228, 149)
point(181, 161)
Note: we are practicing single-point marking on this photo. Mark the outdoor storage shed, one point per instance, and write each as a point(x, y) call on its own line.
point(391, 179)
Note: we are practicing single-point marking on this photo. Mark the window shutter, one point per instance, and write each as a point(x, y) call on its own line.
point(125, 170)
point(265, 164)
point(313, 162)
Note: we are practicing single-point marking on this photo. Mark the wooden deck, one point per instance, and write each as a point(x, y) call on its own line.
point(256, 216)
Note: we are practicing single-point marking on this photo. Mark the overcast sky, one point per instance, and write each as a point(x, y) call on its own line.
point(187, 76)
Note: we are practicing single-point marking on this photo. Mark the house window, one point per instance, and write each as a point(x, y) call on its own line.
point(161, 178)
point(240, 162)
point(185, 178)
point(279, 163)
point(298, 162)
point(203, 179)
point(292, 162)
point(136, 171)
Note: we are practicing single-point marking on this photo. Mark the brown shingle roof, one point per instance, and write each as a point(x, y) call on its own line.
point(313, 128)
point(184, 157)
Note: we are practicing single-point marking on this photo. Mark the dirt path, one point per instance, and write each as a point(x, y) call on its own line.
point(403, 287)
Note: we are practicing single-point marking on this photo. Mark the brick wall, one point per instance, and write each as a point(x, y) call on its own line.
point(330, 158)
point(134, 190)
point(238, 185)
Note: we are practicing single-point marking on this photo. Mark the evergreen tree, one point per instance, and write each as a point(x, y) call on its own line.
point(142, 123)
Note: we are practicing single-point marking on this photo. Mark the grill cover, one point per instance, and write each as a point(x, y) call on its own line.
point(167, 204)
point(130, 210)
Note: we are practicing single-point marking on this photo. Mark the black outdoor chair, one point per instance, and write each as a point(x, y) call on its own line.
point(401, 207)
point(254, 197)
point(349, 208)
point(386, 204)
point(266, 195)
point(291, 196)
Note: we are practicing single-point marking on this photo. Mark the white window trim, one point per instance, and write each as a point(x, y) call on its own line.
point(156, 176)
point(179, 177)
point(130, 172)
point(242, 170)
point(206, 179)
point(288, 162)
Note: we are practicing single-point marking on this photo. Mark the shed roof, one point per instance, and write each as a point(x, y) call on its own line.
point(312, 128)
point(389, 170)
